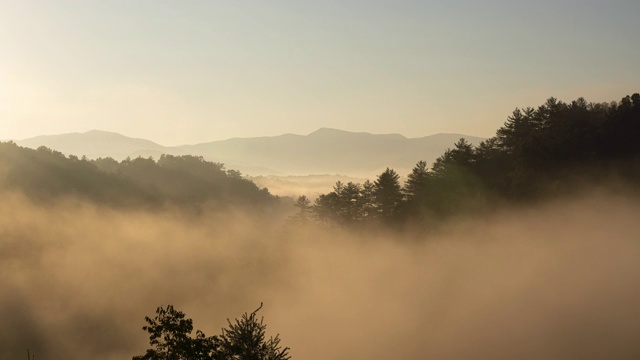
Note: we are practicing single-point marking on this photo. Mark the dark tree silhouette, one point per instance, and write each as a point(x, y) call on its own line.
point(170, 339)
point(304, 204)
point(368, 201)
point(416, 189)
point(416, 182)
point(388, 193)
point(245, 339)
point(349, 211)
point(453, 181)
point(539, 152)
point(341, 206)
point(324, 208)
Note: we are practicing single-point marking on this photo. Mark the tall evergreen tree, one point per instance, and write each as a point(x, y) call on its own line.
point(388, 193)
point(368, 201)
point(416, 182)
point(349, 210)
point(245, 339)
point(325, 207)
point(304, 204)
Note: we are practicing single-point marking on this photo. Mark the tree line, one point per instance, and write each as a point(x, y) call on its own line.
point(186, 181)
point(539, 152)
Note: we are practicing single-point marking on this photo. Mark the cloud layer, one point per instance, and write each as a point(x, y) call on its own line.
point(554, 281)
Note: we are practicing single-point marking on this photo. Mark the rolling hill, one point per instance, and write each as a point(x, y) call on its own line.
point(325, 151)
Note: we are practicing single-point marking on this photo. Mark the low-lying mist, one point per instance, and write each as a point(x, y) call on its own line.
point(555, 281)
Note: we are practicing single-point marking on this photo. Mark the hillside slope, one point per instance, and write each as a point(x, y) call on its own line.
point(325, 151)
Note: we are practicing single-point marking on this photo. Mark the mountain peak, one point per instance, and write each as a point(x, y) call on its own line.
point(96, 131)
point(102, 133)
point(328, 131)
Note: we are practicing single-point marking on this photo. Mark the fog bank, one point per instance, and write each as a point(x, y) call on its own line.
point(555, 281)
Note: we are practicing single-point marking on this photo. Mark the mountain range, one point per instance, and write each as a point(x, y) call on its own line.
point(324, 151)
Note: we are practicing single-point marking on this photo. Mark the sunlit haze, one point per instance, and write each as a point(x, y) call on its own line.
point(179, 72)
point(379, 179)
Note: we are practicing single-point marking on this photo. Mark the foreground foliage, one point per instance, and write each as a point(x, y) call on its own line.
point(170, 339)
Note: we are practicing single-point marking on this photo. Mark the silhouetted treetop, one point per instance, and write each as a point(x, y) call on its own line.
point(537, 153)
point(244, 339)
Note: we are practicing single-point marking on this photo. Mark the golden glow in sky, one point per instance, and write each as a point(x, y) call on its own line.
point(180, 72)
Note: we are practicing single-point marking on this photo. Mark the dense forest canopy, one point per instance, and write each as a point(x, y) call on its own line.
point(187, 181)
point(538, 153)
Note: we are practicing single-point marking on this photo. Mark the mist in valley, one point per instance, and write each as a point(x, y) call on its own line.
point(310, 186)
point(381, 180)
point(554, 280)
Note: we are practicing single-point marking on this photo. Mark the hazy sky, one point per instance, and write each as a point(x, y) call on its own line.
point(193, 71)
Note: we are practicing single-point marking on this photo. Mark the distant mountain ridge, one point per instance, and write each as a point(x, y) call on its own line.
point(93, 144)
point(324, 151)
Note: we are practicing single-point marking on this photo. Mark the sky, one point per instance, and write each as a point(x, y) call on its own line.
point(186, 72)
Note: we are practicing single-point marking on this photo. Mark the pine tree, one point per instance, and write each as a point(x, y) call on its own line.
point(388, 193)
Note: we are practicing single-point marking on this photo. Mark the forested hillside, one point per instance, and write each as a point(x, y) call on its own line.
point(188, 181)
point(555, 149)
point(540, 152)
